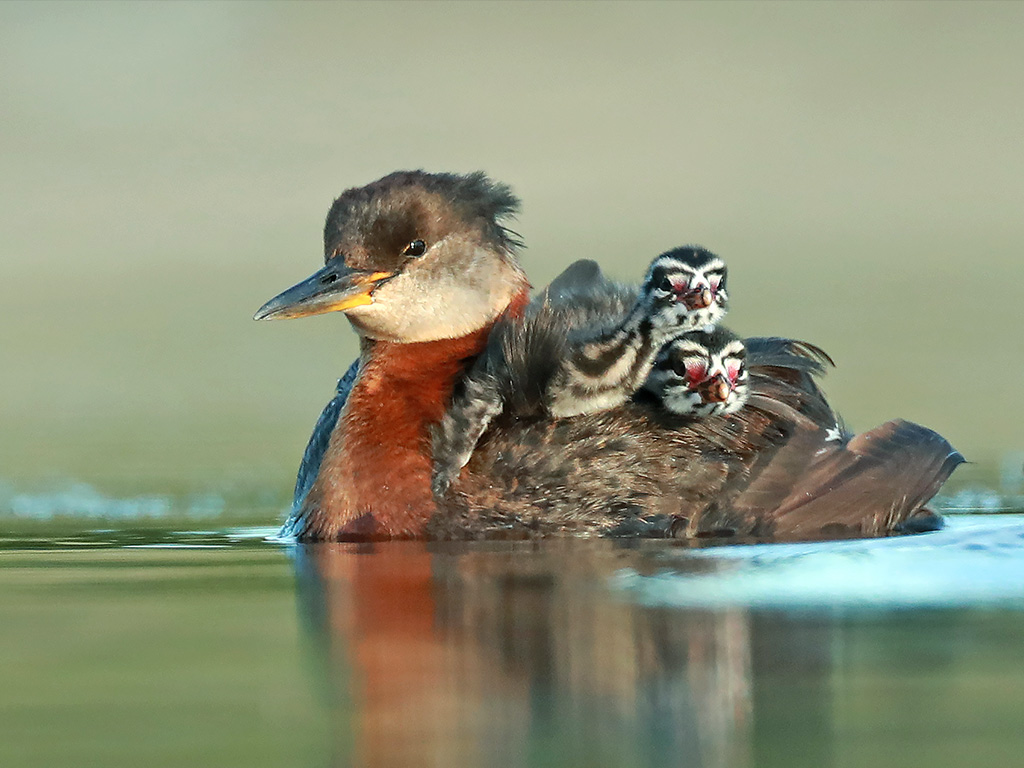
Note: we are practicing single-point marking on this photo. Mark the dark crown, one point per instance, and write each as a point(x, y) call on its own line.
point(700, 342)
point(687, 259)
point(473, 198)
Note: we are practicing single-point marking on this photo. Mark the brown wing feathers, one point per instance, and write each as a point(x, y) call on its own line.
point(871, 484)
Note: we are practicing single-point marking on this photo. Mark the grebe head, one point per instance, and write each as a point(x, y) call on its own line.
point(686, 288)
point(702, 373)
point(414, 257)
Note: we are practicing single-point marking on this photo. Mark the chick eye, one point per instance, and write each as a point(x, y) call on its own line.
point(415, 248)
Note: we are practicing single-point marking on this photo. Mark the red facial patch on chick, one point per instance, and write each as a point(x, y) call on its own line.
point(732, 370)
point(680, 285)
point(696, 372)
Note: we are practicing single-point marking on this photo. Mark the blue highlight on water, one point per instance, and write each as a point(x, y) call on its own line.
point(976, 560)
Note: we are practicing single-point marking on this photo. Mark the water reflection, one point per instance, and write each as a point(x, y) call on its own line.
point(517, 655)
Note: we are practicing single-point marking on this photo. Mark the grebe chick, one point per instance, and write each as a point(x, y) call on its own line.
point(580, 349)
point(701, 373)
point(606, 362)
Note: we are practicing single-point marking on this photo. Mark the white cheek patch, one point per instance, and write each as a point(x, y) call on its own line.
point(680, 400)
point(476, 288)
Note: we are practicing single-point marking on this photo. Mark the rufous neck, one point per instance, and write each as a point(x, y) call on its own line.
point(374, 481)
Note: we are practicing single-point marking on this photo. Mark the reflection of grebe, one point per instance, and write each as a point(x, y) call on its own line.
point(423, 267)
point(492, 657)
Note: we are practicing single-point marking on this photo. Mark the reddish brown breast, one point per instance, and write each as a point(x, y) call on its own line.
point(374, 480)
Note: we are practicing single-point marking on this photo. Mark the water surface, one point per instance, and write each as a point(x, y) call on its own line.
point(224, 647)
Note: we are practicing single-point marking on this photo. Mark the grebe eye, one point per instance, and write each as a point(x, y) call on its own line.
point(415, 248)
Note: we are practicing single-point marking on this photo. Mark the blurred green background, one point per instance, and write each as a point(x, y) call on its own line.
point(166, 167)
